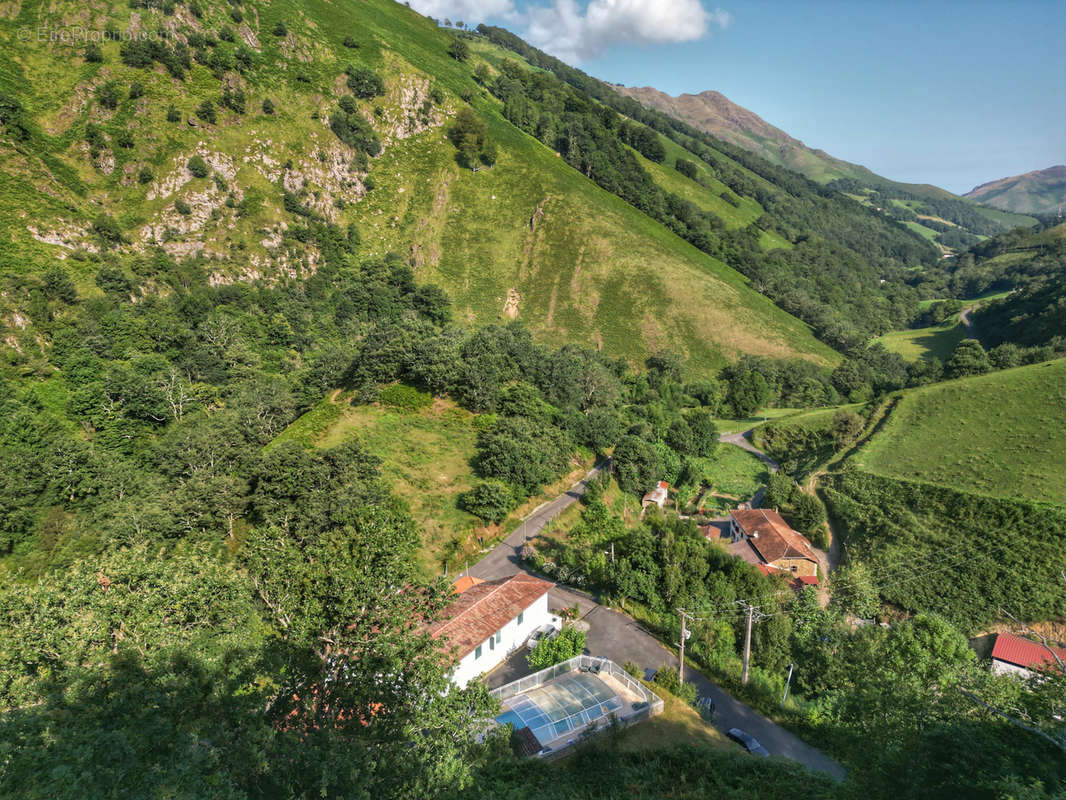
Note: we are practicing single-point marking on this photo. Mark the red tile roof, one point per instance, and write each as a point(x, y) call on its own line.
point(1024, 652)
point(771, 536)
point(486, 607)
point(464, 582)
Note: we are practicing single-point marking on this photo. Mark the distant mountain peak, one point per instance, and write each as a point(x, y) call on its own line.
point(1036, 192)
point(713, 112)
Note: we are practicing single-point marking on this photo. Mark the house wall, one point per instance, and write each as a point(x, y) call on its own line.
point(803, 566)
point(511, 636)
point(1006, 668)
point(734, 530)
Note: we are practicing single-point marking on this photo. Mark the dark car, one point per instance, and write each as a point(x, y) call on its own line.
point(748, 742)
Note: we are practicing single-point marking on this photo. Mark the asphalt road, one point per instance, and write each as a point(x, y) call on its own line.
point(504, 559)
point(621, 639)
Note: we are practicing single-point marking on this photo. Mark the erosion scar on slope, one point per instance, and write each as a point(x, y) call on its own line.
point(527, 252)
point(426, 246)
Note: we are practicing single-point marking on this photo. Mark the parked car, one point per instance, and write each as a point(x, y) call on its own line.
point(748, 742)
point(544, 631)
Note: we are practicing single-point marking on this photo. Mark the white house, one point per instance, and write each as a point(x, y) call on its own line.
point(656, 496)
point(488, 620)
point(1015, 655)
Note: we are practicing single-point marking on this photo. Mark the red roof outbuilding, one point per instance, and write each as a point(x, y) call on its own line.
point(1024, 653)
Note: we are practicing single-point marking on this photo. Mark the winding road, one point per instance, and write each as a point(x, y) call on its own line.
point(620, 638)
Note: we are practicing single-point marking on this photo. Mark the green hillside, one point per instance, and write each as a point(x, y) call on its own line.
point(529, 238)
point(1001, 434)
point(915, 204)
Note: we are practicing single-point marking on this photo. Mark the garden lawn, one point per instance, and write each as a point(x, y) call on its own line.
point(734, 471)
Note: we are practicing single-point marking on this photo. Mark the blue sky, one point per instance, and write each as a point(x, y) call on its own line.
point(950, 93)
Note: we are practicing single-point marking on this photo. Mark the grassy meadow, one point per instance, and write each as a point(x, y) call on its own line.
point(1001, 434)
point(937, 341)
point(426, 461)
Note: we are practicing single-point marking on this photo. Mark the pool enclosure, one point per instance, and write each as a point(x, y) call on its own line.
point(561, 702)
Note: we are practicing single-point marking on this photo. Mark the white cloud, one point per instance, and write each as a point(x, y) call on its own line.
point(574, 34)
point(577, 33)
point(469, 11)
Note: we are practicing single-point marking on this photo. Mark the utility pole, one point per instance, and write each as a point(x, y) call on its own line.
point(747, 645)
point(612, 552)
point(681, 646)
point(787, 682)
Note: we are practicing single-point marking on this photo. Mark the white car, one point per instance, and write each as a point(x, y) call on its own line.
point(544, 631)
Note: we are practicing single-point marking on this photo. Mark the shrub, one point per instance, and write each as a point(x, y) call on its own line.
point(365, 83)
point(687, 168)
point(350, 42)
point(124, 139)
point(404, 397)
point(666, 678)
point(206, 112)
point(459, 49)
point(352, 129)
point(107, 230)
point(182, 207)
point(234, 99)
point(268, 106)
point(568, 643)
point(236, 16)
point(145, 175)
point(93, 54)
point(490, 500)
point(195, 10)
point(198, 167)
point(173, 115)
point(107, 95)
point(226, 34)
point(280, 29)
point(136, 90)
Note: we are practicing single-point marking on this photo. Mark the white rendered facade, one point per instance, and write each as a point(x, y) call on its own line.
point(503, 642)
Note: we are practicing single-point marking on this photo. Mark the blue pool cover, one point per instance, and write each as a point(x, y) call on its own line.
point(565, 704)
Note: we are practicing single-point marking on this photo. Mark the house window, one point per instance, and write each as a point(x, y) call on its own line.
point(794, 568)
point(499, 636)
point(492, 643)
point(519, 620)
point(477, 652)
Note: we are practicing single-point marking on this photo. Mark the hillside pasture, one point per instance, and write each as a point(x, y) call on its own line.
point(1001, 435)
point(937, 341)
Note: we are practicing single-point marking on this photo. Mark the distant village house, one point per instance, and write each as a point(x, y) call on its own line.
point(656, 497)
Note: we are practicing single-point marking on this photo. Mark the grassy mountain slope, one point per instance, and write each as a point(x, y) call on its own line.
point(1038, 192)
point(1001, 434)
point(715, 114)
point(530, 238)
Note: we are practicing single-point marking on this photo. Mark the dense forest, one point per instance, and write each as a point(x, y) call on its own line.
point(1032, 264)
